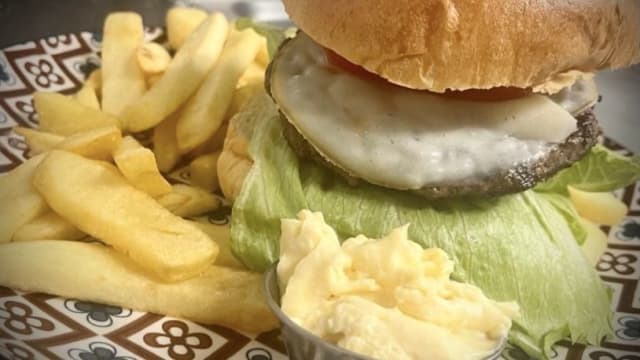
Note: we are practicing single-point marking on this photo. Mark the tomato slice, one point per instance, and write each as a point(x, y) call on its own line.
point(489, 95)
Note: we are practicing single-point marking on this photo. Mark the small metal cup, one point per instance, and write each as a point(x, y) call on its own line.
point(302, 344)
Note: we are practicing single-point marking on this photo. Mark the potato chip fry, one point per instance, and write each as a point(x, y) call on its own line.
point(138, 165)
point(38, 141)
point(96, 144)
point(181, 22)
point(187, 71)
point(204, 172)
point(17, 211)
point(47, 226)
point(200, 201)
point(101, 203)
point(218, 295)
point(165, 145)
point(220, 234)
point(122, 79)
point(203, 114)
point(152, 58)
point(87, 97)
point(65, 116)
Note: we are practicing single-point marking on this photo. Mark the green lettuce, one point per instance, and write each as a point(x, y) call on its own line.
point(600, 170)
point(518, 247)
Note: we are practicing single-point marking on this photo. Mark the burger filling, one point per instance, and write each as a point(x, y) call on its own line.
point(406, 139)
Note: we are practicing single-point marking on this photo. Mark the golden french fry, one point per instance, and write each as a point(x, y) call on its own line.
point(199, 201)
point(101, 203)
point(38, 141)
point(138, 165)
point(254, 74)
point(220, 234)
point(96, 144)
point(95, 82)
point(203, 114)
point(91, 272)
point(18, 181)
point(165, 146)
point(204, 172)
point(17, 211)
point(234, 163)
point(262, 57)
point(152, 58)
point(600, 208)
point(47, 226)
point(153, 79)
point(242, 95)
point(65, 116)
point(173, 200)
point(181, 22)
point(87, 97)
point(596, 242)
point(211, 145)
point(122, 79)
point(184, 75)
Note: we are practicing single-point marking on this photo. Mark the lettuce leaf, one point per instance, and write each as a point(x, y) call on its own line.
point(599, 171)
point(518, 247)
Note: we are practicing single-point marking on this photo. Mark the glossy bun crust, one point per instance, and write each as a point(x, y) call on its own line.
point(474, 44)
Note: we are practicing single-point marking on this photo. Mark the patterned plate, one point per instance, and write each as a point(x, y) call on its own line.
point(43, 326)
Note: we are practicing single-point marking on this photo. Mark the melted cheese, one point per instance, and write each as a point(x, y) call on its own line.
point(408, 139)
point(386, 298)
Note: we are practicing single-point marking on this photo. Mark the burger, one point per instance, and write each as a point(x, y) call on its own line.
point(448, 98)
point(466, 119)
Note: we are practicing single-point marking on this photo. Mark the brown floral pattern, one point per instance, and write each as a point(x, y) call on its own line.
point(19, 318)
point(44, 73)
point(178, 340)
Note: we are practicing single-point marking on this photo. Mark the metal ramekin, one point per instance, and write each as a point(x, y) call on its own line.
point(302, 344)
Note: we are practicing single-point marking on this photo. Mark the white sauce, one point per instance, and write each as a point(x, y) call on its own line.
point(408, 139)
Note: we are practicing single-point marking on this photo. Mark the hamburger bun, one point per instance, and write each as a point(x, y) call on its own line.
point(441, 45)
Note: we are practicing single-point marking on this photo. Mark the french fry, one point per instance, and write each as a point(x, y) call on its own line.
point(262, 57)
point(153, 79)
point(203, 114)
point(65, 116)
point(254, 74)
point(234, 163)
point(184, 75)
point(17, 211)
point(95, 82)
point(204, 173)
point(200, 201)
point(138, 165)
point(600, 208)
point(122, 79)
point(152, 58)
point(101, 203)
point(18, 181)
point(241, 96)
point(173, 200)
point(165, 145)
point(220, 234)
point(96, 144)
point(213, 144)
point(596, 242)
point(38, 141)
point(219, 295)
point(87, 97)
point(181, 22)
point(47, 226)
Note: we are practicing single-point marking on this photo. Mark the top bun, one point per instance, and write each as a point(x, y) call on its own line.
point(439, 45)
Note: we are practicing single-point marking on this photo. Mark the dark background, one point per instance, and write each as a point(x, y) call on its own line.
point(24, 20)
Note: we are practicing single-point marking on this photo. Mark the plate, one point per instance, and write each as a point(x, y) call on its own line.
point(42, 326)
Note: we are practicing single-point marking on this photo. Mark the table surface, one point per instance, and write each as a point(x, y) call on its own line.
point(618, 113)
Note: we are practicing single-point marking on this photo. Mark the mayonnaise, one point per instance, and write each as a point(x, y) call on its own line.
point(385, 298)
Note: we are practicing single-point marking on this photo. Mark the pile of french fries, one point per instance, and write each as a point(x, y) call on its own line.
point(88, 178)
